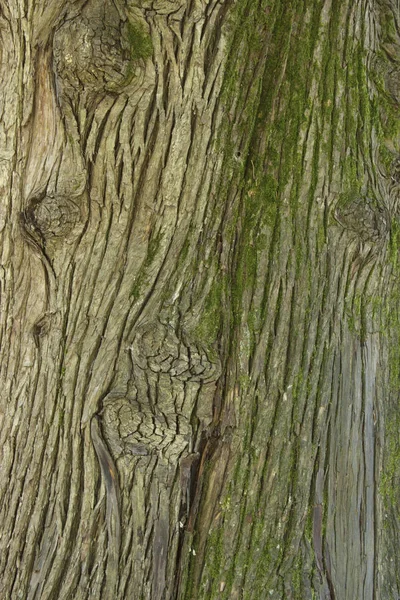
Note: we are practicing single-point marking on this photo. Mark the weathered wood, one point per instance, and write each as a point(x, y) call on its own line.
point(198, 305)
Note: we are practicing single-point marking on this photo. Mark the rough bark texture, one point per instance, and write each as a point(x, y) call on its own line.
point(198, 299)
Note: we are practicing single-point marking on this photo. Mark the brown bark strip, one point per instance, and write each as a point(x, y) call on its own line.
point(110, 477)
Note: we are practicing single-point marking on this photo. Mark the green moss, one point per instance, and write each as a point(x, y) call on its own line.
point(353, 313)
point(394, 245)
point(321, 236)
point(384, 114)
point(389, 483)
point(297, 576)
point(388, 23)
point(389, 308)
point(140, 42)
point(140, 47)
point(215, 551)
point(386, 158)
point(210, 322)
point(189, 574)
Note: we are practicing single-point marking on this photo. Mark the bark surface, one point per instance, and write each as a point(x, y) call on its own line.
point(199, 306)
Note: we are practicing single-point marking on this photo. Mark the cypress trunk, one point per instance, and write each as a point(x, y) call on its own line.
point(199, 306)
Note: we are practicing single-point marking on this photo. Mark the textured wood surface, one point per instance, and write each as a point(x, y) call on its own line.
point(199, 324)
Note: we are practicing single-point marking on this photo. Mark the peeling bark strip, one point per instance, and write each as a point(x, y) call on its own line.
point(110, 476)
point(199, 313)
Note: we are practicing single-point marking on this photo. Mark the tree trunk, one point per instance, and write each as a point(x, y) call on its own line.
point(199, 316)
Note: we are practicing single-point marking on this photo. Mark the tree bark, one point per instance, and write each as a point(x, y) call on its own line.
point(199, 315)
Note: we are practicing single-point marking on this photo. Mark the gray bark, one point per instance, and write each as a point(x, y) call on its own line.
point(198, 299)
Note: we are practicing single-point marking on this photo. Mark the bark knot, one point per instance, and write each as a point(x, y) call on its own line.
point(52, 216)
